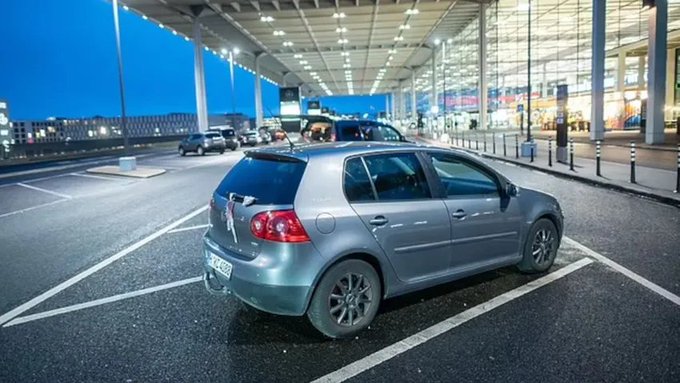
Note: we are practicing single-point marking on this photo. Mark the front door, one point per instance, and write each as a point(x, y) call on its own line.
point(413, 229)
point(485, 225)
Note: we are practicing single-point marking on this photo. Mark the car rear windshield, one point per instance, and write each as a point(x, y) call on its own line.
point(228, 133)
point(270, 180)
point(212, 135)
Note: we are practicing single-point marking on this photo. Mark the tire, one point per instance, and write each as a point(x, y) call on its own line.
point(221, 151)
point(182, 152)
point(542, 239)
point(200, 151)
point(233, 148)
point(325, 312)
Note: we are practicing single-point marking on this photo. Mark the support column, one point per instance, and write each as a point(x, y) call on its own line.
point(597, 78)
point(414, 112)
point(670, 82)
point(434, 104)
point(393, 111)
point(656, 77)
point(402, 103)
point(621, 73)
point(642, 69)
point(259, 118)
point(483, 101)
point(199, 79)
point(544, 80)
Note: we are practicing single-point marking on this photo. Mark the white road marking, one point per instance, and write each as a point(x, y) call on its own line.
point(99, 302)
point(431, 332)
point(95, 177)
point(45, 190)
point(33, 208)
point(628, 273)
point(79, 277)
point(181, 229)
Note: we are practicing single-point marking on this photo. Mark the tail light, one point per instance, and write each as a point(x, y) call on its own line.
point(212, 203)
point(333, 137)
point(278, 226)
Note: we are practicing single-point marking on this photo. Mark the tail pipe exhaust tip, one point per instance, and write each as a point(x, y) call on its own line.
point(213, 285)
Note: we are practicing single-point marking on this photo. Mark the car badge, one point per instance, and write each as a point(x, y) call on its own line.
point(229, 215)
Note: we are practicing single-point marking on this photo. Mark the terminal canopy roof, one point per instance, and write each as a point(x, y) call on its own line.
point(329, 47)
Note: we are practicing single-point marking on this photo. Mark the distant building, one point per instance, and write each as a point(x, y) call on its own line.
point(69, 129)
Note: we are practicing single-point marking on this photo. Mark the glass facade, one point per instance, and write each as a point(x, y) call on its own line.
point(560, 35)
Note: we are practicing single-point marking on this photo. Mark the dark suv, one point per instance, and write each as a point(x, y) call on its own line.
point(351, 130)
point(202, 143)
point(229, 135)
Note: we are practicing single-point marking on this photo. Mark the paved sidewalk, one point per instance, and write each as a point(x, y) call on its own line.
point(653, 183)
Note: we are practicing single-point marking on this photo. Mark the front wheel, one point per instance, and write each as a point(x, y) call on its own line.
point(346, 299)
point(200, 151)
point(182, 152)
point(540, 248)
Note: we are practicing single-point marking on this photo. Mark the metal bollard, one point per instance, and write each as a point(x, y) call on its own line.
point(462, 139)
point(493, 141)
point(677, 178)
point(484, 137)
point(550, 151)
point(532, 154)
point(597, 158)
point(505, 152)
point(516, 146)
point(571, 154)
point(476, 142)
point(632, 162)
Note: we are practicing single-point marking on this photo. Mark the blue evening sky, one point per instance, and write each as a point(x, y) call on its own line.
point(59, 59)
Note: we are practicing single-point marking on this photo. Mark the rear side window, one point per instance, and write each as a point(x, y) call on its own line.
point(270, 181)
point(357, 184)
point(351, 133)
point(212, 135)
point(398, 176)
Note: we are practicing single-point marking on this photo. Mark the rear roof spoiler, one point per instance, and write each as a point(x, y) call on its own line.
point(269, 156)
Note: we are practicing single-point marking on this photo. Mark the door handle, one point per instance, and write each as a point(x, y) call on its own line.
point(378, 220)
point(459, 214)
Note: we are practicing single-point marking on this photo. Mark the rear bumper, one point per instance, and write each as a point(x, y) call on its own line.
point(216, 147)
point(265, 282)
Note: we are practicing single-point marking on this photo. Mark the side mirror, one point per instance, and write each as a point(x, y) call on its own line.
point(511, 190)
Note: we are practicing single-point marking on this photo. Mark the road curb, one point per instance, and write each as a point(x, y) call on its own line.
point(621, 188)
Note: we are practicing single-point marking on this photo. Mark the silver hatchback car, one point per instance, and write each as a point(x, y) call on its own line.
point(330, 230)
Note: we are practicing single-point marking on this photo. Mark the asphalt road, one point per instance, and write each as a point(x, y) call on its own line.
point(592, 324)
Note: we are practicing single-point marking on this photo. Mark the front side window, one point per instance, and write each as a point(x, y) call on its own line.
point(398, 176)
point(460, 178)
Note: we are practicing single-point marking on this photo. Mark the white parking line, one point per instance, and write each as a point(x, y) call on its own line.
point(99, 302)
point(33, 208)
point(181, 229)
point(66, 196)
point(79, 277)
point(628, 273)
point(431, 332)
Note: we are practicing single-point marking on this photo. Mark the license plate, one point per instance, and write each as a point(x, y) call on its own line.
point(222, 266)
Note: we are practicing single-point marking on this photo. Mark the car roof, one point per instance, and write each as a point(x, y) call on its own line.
point(340, 150)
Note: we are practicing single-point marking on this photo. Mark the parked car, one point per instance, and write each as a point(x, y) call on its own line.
point(351, 130)
point(329, 231)
point(229, 135)
point(251, 138)
point(202, 143)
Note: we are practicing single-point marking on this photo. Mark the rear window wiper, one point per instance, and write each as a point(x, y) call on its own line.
point(246, 200)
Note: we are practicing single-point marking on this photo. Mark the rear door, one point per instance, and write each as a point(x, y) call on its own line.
point(484, 225)
point(255, 184)
point(391, 195)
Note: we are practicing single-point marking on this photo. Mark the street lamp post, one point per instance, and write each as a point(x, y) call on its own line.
point(121, 83)
point(233, 52)
point(529, 75)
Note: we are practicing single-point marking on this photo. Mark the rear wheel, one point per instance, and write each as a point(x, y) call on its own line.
point(181, 151)
point(540, 248)
point(200, 151)
point(221, 151)
point(346, 299)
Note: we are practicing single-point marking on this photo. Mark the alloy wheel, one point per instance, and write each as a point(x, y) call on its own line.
point(542, 247)
point(350, 299)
